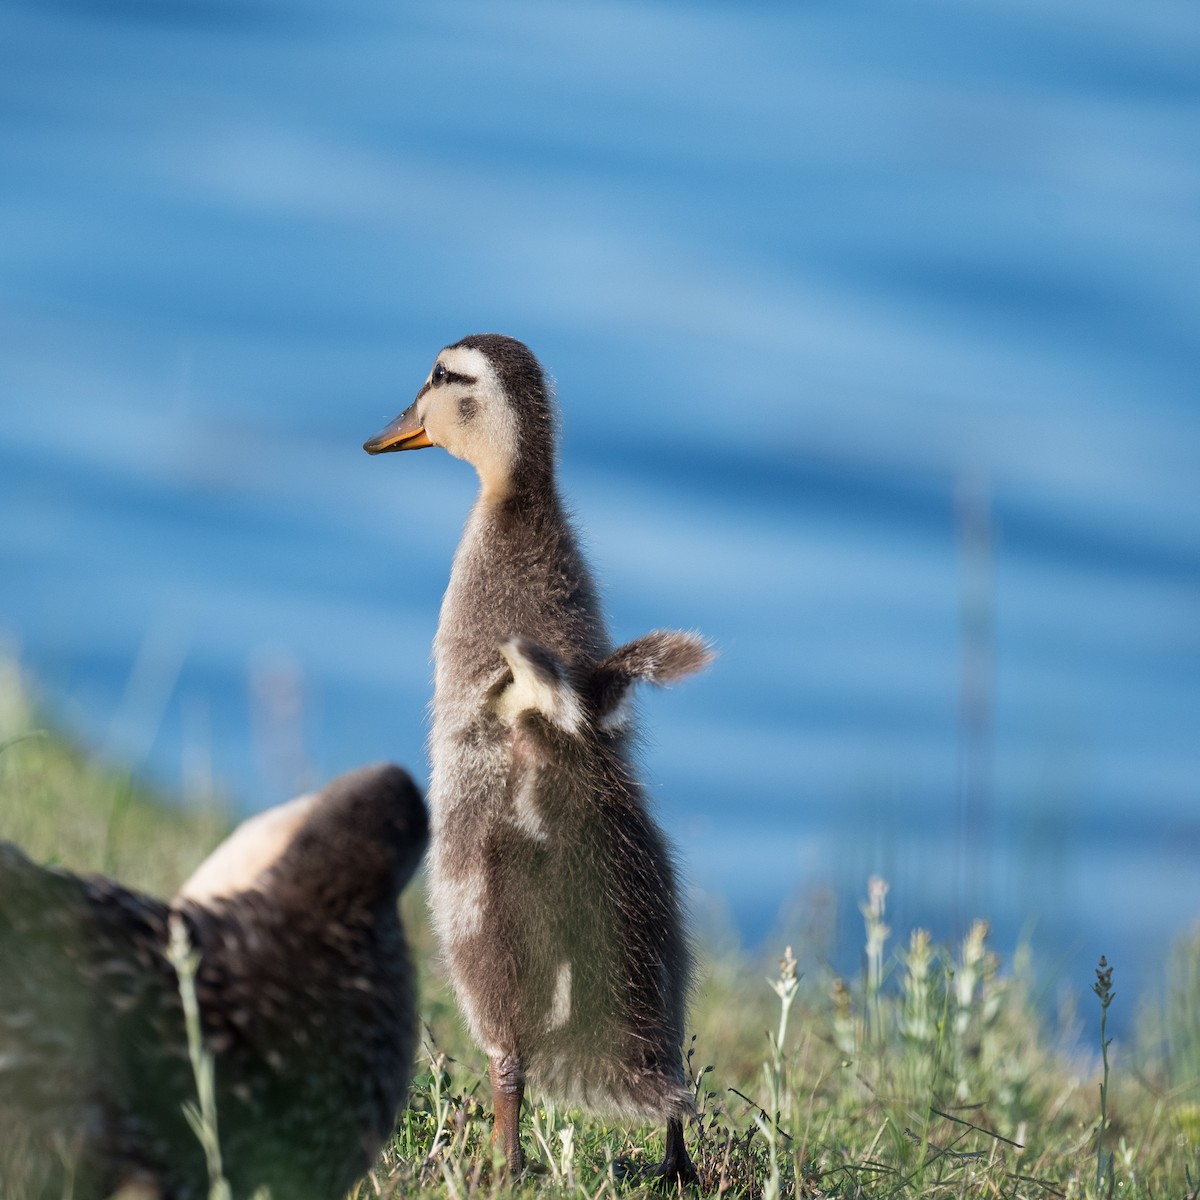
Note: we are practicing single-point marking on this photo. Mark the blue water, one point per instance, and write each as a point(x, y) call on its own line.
point(875, 328)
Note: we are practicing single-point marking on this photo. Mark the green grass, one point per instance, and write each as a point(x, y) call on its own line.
point(63, 807)
point(932, 1075)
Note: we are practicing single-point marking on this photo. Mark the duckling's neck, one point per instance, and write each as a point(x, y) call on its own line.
point(515, 505)
point(518, 573)
point(527, 482)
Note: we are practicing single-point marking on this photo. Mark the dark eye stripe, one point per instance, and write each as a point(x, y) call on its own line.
point(454, 377)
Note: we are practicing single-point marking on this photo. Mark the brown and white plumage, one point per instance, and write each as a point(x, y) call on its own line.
point(306, 997)
point(552, 888)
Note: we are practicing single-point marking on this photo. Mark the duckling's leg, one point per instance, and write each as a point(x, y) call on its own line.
point(508, 1090)
point(676, 1165)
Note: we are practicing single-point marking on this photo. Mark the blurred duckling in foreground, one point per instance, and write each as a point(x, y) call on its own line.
point(305, 993)
point(552, 889)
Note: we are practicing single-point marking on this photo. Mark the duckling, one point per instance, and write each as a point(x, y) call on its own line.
point(552, 889)
point(305, 993)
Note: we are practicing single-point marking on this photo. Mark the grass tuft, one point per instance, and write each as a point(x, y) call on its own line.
point(202, 1116)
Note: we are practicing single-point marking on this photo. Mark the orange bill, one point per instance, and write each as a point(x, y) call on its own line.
point(405, 433)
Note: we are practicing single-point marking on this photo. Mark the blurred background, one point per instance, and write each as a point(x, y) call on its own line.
point(875, 330)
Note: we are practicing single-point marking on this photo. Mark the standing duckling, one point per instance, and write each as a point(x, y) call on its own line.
point(305, 994)
point(552, 889)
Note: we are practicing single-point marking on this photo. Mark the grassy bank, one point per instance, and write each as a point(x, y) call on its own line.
point(64, 807)
point(931, 1075)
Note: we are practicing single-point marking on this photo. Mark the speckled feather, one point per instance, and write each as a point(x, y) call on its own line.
point(306, 995)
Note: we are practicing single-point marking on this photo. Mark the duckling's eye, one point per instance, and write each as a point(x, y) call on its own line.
point(439, 373)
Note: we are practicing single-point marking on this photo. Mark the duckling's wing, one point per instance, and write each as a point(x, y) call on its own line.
point(660, 657)
point(538, 681)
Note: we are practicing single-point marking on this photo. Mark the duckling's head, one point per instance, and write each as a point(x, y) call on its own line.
point(485, 400)
point(359, 839)
point(364, 836)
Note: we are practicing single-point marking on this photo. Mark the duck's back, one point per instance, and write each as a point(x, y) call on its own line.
point(89, 1017)
point(314, 1071)
point(93, 1047)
